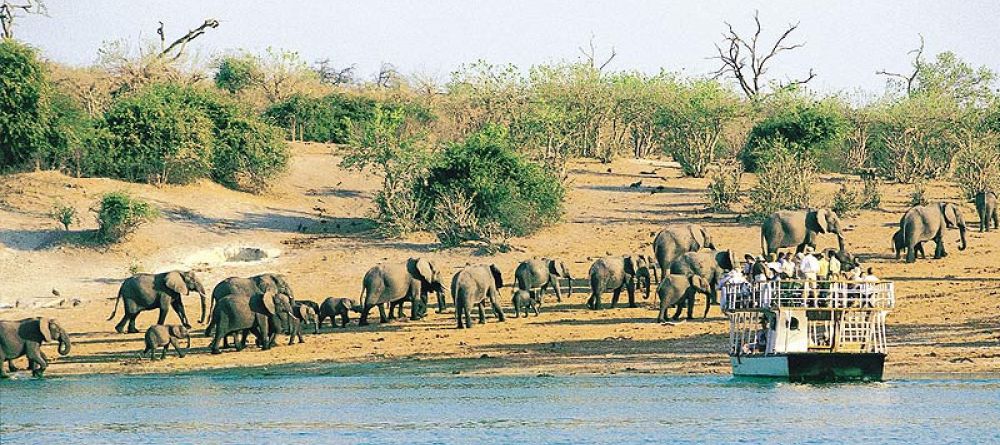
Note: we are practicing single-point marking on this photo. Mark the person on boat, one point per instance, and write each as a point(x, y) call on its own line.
point(732, 285)
point(787, 266)
point(748, 261)
point(868, 287)
point(760, 340)
point(774, 265)
point(808, 269)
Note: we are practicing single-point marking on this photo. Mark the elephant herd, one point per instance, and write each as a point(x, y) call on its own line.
point(687, 258)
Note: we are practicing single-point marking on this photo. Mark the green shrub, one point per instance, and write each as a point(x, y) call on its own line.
point(24, 107)
point(916, 138)
point(978, 163)
point(517, 195)
point(782, 182)
point(848, 201)
point(64, 215)
point(238, 72)
point(323, 119)
point(118, 215)
point(724, 188)
point(807, 128)
point(693, 124)
point(870, 194)
point(918, 197)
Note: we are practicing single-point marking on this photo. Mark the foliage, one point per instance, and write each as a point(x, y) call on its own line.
point(807, 127)
point(871, 196)
point(724, 190)
point(323, 119)
point(919, 195)
point(238, 72)
point(64, 214)
point(978, 162)
point(916, 138)
point(118, 215)
point(505, 189)
point(782, 182)
point(848, 201)
point(950, 76)
point(24, 106)
point(694, 124)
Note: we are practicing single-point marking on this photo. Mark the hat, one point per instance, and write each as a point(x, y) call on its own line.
point(808, 249)
point(748, 257)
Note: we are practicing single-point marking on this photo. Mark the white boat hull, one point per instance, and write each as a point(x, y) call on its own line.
point(811, 366)
point(767, 366)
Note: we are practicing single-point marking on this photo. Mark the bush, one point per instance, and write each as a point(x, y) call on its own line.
point(919, 195)
point(916, 138)
point(978, 163)
point(693, 125)
point(724, 188)
point(871, 195)
point(65, 215)
point(323, 119)
point(782, 182)
point(848, 201)
point(517, 195)
point(24, 107)
point(807, 128)
point(238, 72)
point(119, 214)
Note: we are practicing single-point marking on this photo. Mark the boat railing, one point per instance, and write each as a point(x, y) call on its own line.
point(831, 295)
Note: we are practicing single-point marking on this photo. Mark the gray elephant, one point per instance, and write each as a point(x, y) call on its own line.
point(523, 300)
point(387, 283)
point(676, 240)
point(143, 292)
point(473, 286)
point(161, 336)
point(252, 285)
point(25, 337)
point(710, 265)
point(536, 275)
point(337, 307)
point(924, 223)
point(798, 228)
point(986, 208)
point(680, 291)
point(617, 273)
point(307, 314)
point(899, 245)
point(260, 314)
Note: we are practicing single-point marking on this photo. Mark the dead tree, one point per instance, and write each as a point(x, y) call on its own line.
point(747, 62)
point(176, 49)
point(332, 75)
point(917, 64)
point(387, 76)
point(590, 55)
point(9, 11)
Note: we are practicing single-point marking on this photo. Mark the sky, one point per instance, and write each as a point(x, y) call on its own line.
point(845, 41)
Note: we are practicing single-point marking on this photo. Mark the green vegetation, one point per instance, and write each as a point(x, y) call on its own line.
point(118, 215)
point(783, 181)
point(25, 112)
point(65, 215)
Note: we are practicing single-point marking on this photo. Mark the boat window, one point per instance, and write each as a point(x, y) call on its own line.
point(793, 324)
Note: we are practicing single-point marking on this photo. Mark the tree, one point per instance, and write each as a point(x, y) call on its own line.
point(694, 123)
point(747, 62)
point(947, 75)
point(238, 72)
point(332, 75)
point(10, 9)
point(24, 104)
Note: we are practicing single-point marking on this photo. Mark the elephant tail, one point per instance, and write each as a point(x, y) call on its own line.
point(115, 310)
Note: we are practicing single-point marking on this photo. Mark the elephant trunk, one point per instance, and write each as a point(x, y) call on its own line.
point(188, 337)
point(569, 283)
point(203, 307)
point(64, 344)
point(961, 232)
point(840, 242)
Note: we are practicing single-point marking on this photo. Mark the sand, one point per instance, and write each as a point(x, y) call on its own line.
point(314, 228)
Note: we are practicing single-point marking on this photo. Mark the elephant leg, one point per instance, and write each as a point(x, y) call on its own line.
point(163, 353)
point(240, 339)
point(131, 323)
point(615, 296)
point(36, 360)
point(662, 315)
point(555, 287)
point(178, 306)
point(214, 346)
point(344, 319)
point(381, 313)
point(708, 302)
point(631, 294)
point(534, 307)
point(10, 364)
point(467, 313)
point(679, 308)
point(392, 310)
point(497, 310)
point(939, 250)
point(690, 305)
point(482, 312)
point(363, 321)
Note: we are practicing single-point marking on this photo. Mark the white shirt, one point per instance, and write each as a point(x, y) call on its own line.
point(809, 265)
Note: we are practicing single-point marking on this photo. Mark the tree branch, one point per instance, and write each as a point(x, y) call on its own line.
point(182, 42)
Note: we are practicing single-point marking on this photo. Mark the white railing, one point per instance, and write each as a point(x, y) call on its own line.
point(807, 294)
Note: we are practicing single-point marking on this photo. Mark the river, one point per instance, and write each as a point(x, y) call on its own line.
point(284, 407)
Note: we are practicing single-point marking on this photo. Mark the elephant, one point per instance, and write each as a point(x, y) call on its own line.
point(616, 273)
point(251, 285)
point(923, 223)
point(899, 245)
point(334, 307)
point(260, 313)
point(524, 300)
point(25, 337)
point(986, 208)
point(674, 241)
point(163, 336)
point(798, 228)
point(386, 283)
point(142, 292)
point(708, 264)
point(680, 291)
point(472, 286)
point(538, 274)
point(307, 314)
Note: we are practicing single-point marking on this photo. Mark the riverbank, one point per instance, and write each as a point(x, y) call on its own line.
point(313, 227)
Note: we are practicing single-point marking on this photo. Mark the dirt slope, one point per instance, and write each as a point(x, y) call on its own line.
point(314, 227)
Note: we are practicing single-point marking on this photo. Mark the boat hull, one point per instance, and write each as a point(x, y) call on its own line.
point(812, 366)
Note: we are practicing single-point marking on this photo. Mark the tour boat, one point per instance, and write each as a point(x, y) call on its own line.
point(801, 331)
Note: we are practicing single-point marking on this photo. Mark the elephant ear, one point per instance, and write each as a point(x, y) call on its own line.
point(497, 275)
point(699, 283)
point(175, 331)
point(729, 257)
point(950, 212)
point(706, 239)
point(268, 300)
point(554, 268)
point(821, 219)
point(629, 265)
point(425, 270)
point(44, 329)
point(175, 282)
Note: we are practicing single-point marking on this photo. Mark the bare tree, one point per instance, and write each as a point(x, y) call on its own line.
point(9, 11)
point(590, 55)
point(747, 62)
point(387, 76)
point(332, 75)
point(917, 64)
point(176, 49)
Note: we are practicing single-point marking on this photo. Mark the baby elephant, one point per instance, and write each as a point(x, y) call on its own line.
point(680, 290)
point(524, 300)
point(307, 313)
point(162, 336)
point(337, 307)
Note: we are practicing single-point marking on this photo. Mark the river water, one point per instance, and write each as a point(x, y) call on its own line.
point(353, 408)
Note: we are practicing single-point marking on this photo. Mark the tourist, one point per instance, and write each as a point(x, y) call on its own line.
point(774, 265)
point(748, 261)
point(787, 267)
point(808, 270)
point(732, 285)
